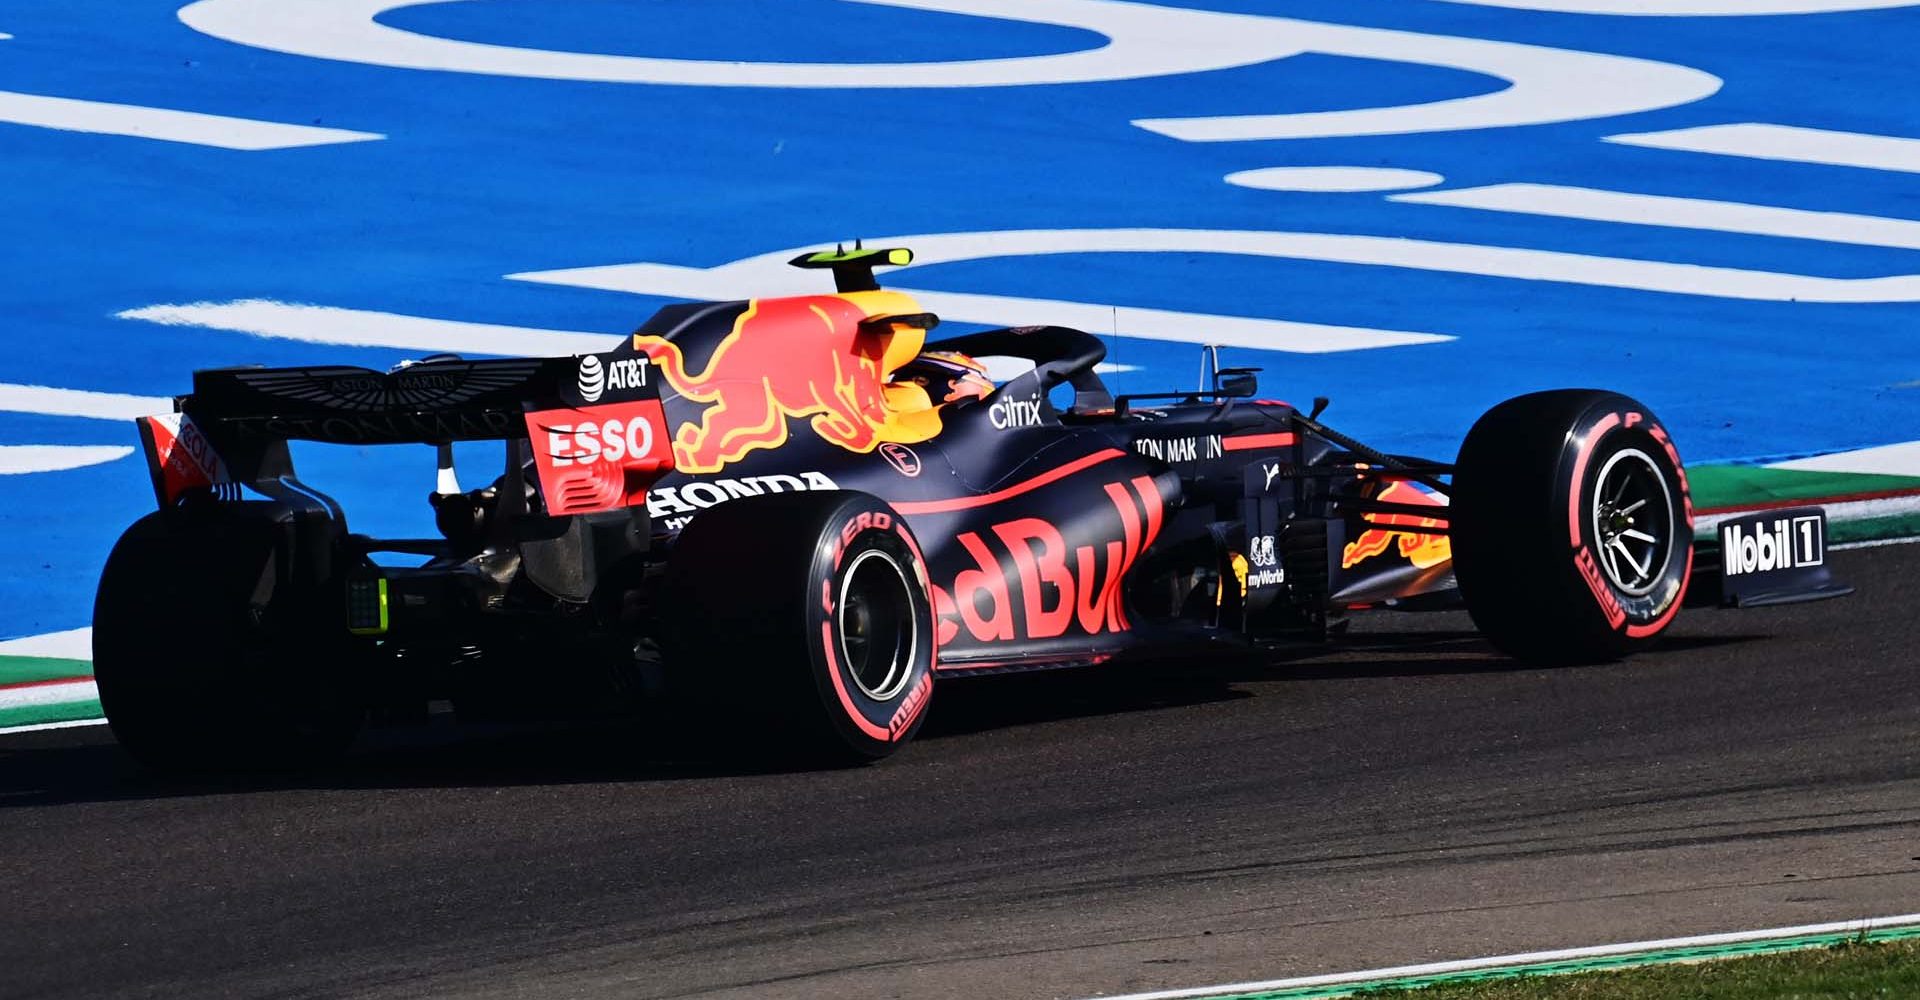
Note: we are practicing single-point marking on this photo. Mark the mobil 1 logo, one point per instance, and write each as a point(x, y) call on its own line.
point(1766, 543)
point(1775, 557)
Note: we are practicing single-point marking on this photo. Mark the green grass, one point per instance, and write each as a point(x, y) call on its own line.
point(1850, 971)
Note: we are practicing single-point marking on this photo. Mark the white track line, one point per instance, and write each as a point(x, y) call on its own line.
point(1678, 213)
point(1167, 325)
point(1530, 958)
point(38, 726)
point(70, 115)
point(72, 644)
point(1886, 460)
point(19, 459)
point(1692, 8)
point(1544, 85)
point(53, 402)
point(1142, 40)
point(1838, 513)
point(363, 328)
point(59, 693)
point(769, 272)
point(1757, 141)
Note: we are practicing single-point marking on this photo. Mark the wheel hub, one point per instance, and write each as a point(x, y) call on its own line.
point(874, 619)
point(1632, 522)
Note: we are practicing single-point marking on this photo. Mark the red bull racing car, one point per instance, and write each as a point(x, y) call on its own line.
point(800, 514)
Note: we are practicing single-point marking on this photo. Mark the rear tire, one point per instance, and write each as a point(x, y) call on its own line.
point(203, 666)
point(1572, 526)
point(803, 617)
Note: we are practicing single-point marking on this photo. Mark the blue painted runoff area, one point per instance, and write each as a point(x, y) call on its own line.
point(479, 175)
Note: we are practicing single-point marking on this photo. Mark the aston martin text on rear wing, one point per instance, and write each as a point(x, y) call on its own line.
point(588, 418)
point(428, 402)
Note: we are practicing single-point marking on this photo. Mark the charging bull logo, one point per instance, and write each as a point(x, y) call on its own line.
point(1422, 550)
point(790, 358)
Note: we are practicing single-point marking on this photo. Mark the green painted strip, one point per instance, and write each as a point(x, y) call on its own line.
point(27, 669)
point(34, 715)
point(1595, 964)
point(1717, 487)
point(1874, 529)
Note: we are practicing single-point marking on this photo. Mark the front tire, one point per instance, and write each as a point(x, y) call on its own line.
point(1572, 526)
point(804, 616)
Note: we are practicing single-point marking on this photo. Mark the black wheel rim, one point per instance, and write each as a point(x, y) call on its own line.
point(1632, 521)
point(874, 620)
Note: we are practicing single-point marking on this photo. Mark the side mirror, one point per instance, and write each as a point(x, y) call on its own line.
point(1237, 383)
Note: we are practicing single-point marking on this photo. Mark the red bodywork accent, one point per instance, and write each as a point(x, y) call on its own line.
point(179, 456)
point(1246, 442)
point(1421, 548)
point(599, 458)
point(1024, 486)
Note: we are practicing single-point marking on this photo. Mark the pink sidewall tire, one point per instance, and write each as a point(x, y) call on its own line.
point(1572, 526)
point(803, 623)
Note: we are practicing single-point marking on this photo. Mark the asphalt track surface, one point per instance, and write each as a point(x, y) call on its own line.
point(1407, 798)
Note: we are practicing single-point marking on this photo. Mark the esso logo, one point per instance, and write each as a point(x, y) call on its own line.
point(611, 441)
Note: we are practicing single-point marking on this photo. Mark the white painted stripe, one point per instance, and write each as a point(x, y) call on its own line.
point(1678, 213)
point(768, 274)
point(1873, 543)
point(1005, 369)
point(1332, 179)
point(72, 644)
point(19, 459)
point(1142, 40)
point(1886, 460)
point(362, 328)
point(1758, 141)
point(1837, 512)
point(1544, 85)
point(1167, 325)
point(70, 115)
point(47, 400)
point(1693, 8)
point(48, 694)
point(38, 726)
point(1531, 958)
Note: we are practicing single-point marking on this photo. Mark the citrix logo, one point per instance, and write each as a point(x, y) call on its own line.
point(1015, 413)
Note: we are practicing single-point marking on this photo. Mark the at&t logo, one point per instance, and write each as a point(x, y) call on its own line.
point(593, 378)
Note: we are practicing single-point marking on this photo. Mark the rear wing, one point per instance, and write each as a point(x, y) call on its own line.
point(589, 417)
point(425, 403)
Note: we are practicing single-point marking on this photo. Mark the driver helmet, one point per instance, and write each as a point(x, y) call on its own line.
point(947, 376)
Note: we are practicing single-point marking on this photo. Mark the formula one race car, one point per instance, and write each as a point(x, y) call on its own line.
point(797, 514)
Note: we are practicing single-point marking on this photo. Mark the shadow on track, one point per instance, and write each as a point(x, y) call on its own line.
point(85, 765)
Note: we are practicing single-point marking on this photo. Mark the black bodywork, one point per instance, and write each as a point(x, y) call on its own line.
point(1059, 525)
